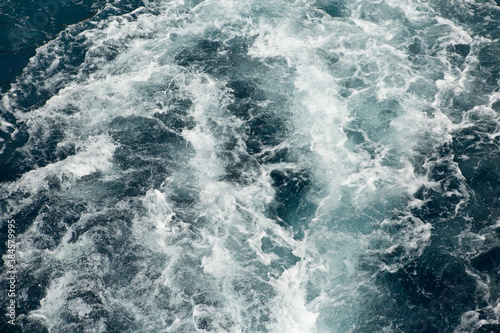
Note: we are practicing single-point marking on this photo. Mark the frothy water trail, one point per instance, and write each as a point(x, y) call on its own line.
point(258, 166)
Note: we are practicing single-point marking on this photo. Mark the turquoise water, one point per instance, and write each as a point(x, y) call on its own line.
point(252, 166)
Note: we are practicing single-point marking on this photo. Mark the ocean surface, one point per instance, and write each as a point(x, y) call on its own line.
point(282, 166)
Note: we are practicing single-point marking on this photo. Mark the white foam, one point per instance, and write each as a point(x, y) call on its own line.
point(291, 310)
point(94, 156)
point(217, 243)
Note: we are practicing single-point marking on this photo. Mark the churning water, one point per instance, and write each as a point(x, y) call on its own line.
point(252, 166)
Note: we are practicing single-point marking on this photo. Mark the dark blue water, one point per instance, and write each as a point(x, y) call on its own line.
point(250, 166)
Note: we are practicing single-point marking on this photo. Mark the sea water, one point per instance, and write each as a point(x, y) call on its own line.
point(251, 166)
